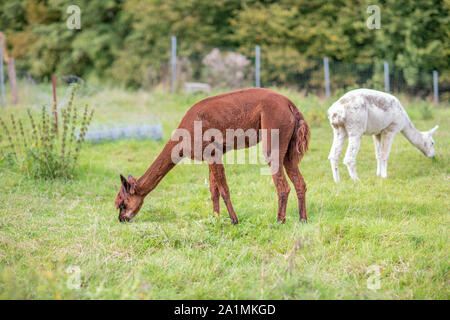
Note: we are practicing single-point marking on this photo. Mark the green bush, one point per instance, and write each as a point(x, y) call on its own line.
point(47, 148)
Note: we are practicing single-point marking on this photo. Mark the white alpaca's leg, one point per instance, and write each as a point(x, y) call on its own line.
point(386, 143)
point(377, 142)
point(354, 142)
point(340, 135)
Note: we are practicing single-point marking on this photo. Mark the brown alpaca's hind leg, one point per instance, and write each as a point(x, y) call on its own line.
point(283, 190)
point(291, 166)
point(274, 151)
point(215, 195)
point(219, 177)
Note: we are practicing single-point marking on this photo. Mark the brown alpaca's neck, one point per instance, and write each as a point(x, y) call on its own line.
point(158, 169)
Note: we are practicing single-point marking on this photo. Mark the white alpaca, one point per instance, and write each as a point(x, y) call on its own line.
point(371, 112)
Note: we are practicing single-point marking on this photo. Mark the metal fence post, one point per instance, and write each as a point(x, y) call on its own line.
point(435, 86)
point(173, 62)
point(13, 81)
point(2, 79)
point(387, 85)
point(326, 71)
point(55, 104)
point(257, 66)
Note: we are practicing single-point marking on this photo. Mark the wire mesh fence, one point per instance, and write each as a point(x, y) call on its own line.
point(35, 91)
point(194, 68)
point(203, 68)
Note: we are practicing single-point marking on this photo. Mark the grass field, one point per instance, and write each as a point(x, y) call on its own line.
point(57, 234)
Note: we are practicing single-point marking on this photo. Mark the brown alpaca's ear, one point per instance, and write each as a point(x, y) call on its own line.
point(125, 183)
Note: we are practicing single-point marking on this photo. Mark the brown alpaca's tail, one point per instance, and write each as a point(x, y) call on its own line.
point(300, 137)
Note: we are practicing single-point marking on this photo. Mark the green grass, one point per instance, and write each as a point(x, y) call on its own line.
point(176, 248)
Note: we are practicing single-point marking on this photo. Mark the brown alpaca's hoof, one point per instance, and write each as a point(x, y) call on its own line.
point(303, 220)
point(281, 220)
point(234, 221)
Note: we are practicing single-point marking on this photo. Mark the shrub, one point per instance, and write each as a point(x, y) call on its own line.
point(47, 148)
point(225, 72)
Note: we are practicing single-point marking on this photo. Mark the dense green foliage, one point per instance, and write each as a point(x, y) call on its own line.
point(128, 41)
point(62, 239)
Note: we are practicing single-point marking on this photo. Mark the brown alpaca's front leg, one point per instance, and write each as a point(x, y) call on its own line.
point(219, 177)
point(215, 195)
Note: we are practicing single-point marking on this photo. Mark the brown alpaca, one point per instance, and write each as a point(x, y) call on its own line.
point(244, 109)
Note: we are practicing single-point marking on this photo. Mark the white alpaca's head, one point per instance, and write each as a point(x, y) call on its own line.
point(428, 143)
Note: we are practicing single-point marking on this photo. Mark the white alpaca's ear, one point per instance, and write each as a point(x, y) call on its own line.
point(433, 131)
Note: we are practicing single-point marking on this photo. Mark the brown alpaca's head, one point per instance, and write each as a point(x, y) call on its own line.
point(128, 200)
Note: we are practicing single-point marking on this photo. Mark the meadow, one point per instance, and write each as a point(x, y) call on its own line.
point(373, 239)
